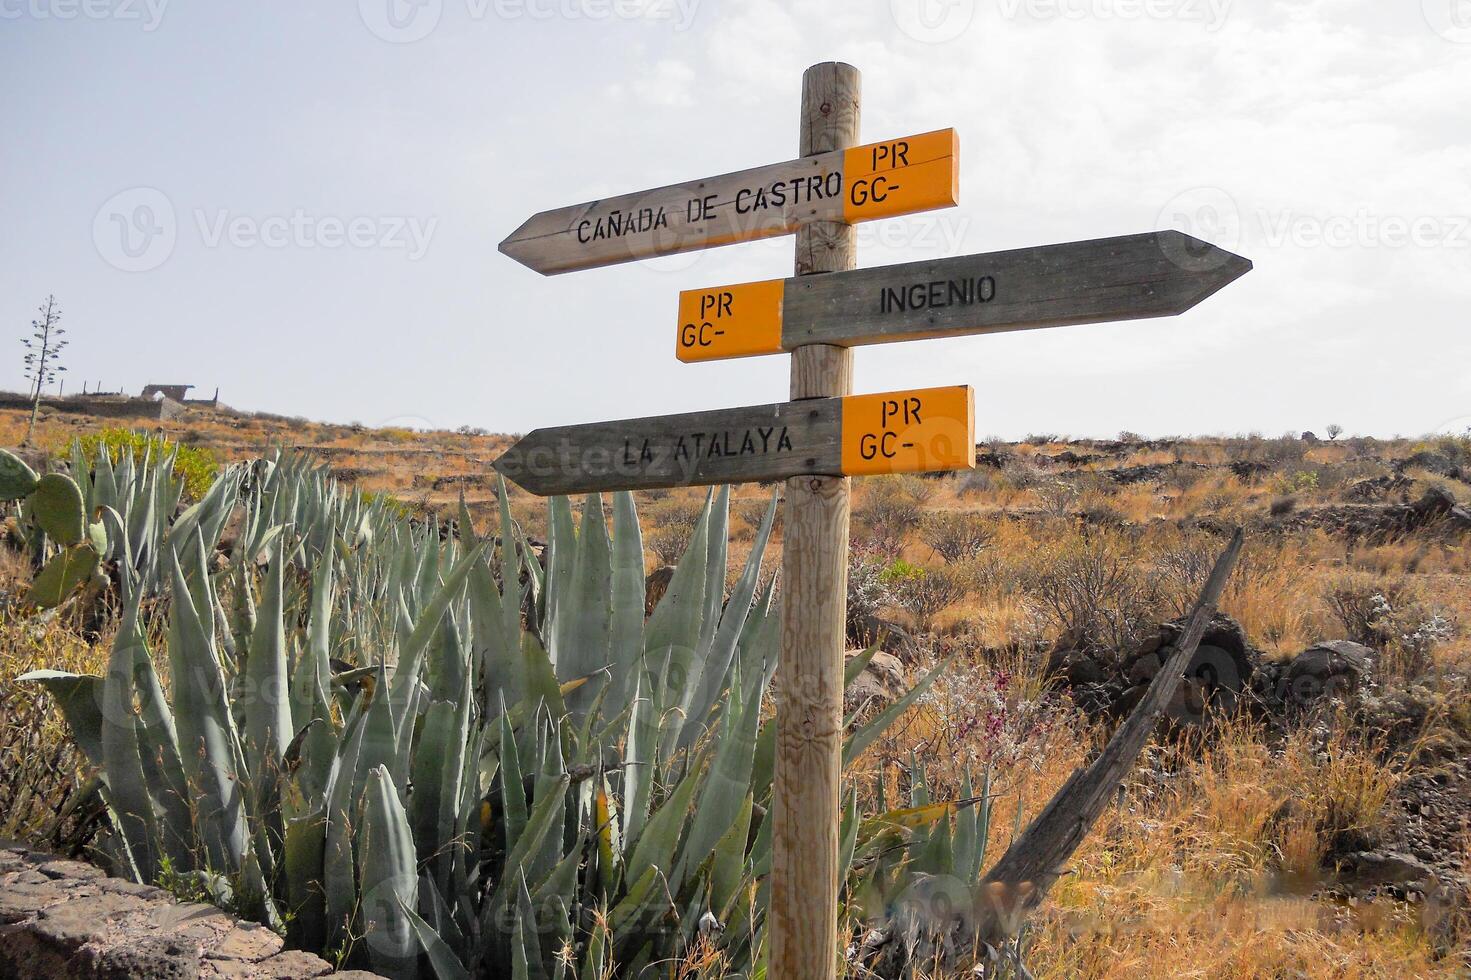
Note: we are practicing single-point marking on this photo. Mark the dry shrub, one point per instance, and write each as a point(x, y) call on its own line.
point(869, 591)
point(667, 544)
point(1181, 570)
point(1285, 810)
point(957, 536)
point(1205, 871)
point(891, 509)
point(1390, 615)
point(38, 763)
point(1274, 597)
point(1093, 592)
point(925, 593)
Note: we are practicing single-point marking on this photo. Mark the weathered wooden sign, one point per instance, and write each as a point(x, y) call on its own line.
point(928, 430)
point(825, 433)
point(1129, 278)
point(878, 180)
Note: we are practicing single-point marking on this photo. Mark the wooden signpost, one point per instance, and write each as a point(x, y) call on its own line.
point(880, 180)
point(1130, 278)
point(900, 432)
point(824, 434)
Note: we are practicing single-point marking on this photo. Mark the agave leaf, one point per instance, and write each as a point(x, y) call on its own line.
point(513, 790)
point(672, 637)
point(967, 846)
point(500, 665)
point(727, 868)
point(442, 959)
point(610, 848)
point(268, 726)
point(304, 851)
point(390, 879)
point(639, 759)
point(435, 748)
point(673, 631)
point(578, 636)
point(158, 744)
point(543, 814)
point(561, 559)
point(643, 897)
point(551, 778)
point(660, 836)
point(122, 757)
point(208, 741)
point(910, 818)
point(848, 834)
point(717, 531)
point(428, 623)
point(79, 696)
point(457, 792)
point(511, 596)
point(726, 785)
point(858, 664)
point(626, 625)
point(716, 672)
point(529, 940)
point(339, 881)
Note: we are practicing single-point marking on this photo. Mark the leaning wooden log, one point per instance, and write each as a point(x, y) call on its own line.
point(1028, 869)
point(931, 931)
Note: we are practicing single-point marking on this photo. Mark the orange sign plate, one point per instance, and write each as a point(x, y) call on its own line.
point(918, 173)
point(732, 321)
point(923, 431)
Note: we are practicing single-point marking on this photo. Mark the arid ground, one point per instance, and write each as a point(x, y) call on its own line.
point(1304, 814)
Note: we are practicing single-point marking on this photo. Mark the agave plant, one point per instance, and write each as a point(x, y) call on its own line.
point(415, 747)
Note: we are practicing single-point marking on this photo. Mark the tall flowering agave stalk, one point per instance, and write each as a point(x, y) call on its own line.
point(422, 749)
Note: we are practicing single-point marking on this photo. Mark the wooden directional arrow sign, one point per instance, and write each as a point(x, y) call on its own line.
point(1130, 278)
point(879, 180)
point(899, 432)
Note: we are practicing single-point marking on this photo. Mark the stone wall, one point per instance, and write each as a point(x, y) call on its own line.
point(104, 406)
point(65, 919)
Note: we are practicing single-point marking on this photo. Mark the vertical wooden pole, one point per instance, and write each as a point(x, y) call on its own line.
point(802, 919)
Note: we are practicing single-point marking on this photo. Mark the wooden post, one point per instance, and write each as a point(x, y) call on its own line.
point(802, 919)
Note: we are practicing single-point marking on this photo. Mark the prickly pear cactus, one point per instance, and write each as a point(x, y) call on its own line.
point(63, 575)
point(17, 480)
point(59, 509)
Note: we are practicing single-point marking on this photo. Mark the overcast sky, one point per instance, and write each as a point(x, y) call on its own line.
point(300, 202)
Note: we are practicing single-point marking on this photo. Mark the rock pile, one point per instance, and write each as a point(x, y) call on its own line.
point(64, 919)
point(1225, 669)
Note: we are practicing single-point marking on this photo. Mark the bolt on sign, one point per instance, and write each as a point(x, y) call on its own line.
point(921, 431)
point(879, 180)
point(1130, 278)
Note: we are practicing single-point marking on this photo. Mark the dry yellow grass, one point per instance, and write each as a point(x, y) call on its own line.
point(1206, 865)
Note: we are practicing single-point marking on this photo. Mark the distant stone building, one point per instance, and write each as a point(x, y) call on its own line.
point(180, 394)
point(177, 392)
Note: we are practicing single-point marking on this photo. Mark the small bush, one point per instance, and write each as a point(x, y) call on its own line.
point(1301, 481)
point(868, 591)
point(196, 467)
point(956, 536)
point(925, 593)
point(1389, 616)
point(890, 511)
point(667, 544)
point(1093, 594)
